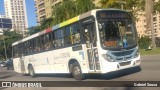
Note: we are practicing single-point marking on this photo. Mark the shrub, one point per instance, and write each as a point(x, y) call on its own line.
point(158, 42)
point(144, 42)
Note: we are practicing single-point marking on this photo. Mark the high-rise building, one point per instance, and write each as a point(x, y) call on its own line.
point(16, 10)
point(141, 24)
point(44, 8)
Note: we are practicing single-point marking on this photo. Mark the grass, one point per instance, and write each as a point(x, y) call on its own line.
point(150, 52)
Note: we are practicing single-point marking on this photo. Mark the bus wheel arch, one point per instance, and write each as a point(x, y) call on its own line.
point(31, 70)
point(70, 64)
point(75, 69)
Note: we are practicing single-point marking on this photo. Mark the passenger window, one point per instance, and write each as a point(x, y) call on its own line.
point(59, 41)
point(76, 34)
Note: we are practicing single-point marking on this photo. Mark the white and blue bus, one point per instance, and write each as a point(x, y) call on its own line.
point(99, 41)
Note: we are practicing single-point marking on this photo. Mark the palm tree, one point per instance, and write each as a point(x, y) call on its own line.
point(69, 9)
point(47, 23)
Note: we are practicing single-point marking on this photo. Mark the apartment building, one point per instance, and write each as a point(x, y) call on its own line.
point(141, 24)
point(44, 8)
point(16, 10)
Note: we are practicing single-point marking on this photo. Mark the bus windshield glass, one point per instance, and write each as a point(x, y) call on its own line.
point(117, 33)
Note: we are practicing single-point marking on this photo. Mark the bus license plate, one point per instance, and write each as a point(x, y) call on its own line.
point(125, 63)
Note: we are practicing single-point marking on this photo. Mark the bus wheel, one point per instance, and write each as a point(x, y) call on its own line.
point(31, 71)
point(70, 70)
point(76, 71)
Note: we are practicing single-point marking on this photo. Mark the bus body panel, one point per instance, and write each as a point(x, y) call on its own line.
point(57, 60)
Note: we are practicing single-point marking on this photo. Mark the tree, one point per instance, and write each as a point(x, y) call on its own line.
point(84, 6)
point(131, 5)
point(10, 38)
point(69, 9)
point(157, 6)
point(64, 11)
point(47, 23)
point(34, 29)
point(144, 42)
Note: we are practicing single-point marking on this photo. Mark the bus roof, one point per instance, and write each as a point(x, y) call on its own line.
point(65, 23)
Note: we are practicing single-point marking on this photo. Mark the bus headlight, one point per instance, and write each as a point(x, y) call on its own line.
point(137, 54)
point(107, 57)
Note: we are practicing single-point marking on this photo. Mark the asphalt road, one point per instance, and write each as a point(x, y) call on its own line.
point(150, 71)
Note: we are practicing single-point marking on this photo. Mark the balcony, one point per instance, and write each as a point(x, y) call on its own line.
point(41, 2)
point(56, 2)
point(42, 14)
point(41, 8)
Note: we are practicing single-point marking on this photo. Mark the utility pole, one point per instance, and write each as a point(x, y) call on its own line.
point(149, 20)
point(5, 52)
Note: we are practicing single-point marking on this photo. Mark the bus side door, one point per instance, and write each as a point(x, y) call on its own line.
point(90, 39)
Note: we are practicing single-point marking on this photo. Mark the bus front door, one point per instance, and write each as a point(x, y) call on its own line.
point(90, 38)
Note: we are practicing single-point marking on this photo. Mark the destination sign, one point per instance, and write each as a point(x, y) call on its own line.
point(112, 15)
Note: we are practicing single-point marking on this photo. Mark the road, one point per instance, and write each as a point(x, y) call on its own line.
point(150, 71)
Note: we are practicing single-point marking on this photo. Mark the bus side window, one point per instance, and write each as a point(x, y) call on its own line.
point(67, 36)
point(47, 41)
point(53, 40)
point(36, 45)
point(42, 43)
point(76, 33)
point(31, 46)
point(27, 47)
point(59, 42)
point(15, 53)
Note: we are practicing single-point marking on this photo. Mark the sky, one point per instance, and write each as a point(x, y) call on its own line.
point(30, 12)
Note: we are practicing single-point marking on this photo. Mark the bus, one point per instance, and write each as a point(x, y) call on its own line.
point(99, 41)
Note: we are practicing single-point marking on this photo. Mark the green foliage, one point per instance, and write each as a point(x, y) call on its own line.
point(157, 42)
point(10, 38)
point(47, 23)
point(84, 6)
point(69, 9)
point(64, 11)
point(131, 5)
point(157, 6)
point(144, 42)
point(34, 29)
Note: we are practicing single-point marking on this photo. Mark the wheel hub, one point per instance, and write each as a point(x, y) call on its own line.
point(76, 71)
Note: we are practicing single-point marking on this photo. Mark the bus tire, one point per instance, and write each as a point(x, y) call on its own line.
point(77, 72)
point(31, 71)
point(70, 71)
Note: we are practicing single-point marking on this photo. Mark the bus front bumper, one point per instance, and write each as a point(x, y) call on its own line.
point(115, 66)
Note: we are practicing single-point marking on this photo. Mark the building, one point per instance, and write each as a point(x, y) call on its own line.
point(141, 24)
point(44, 8)
point(5, 23)
point(16, 10)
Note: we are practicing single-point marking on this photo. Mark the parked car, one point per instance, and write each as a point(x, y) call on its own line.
point(3, 64)
point(9, 64)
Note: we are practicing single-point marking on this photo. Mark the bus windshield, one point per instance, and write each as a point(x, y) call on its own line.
point(117, 33)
